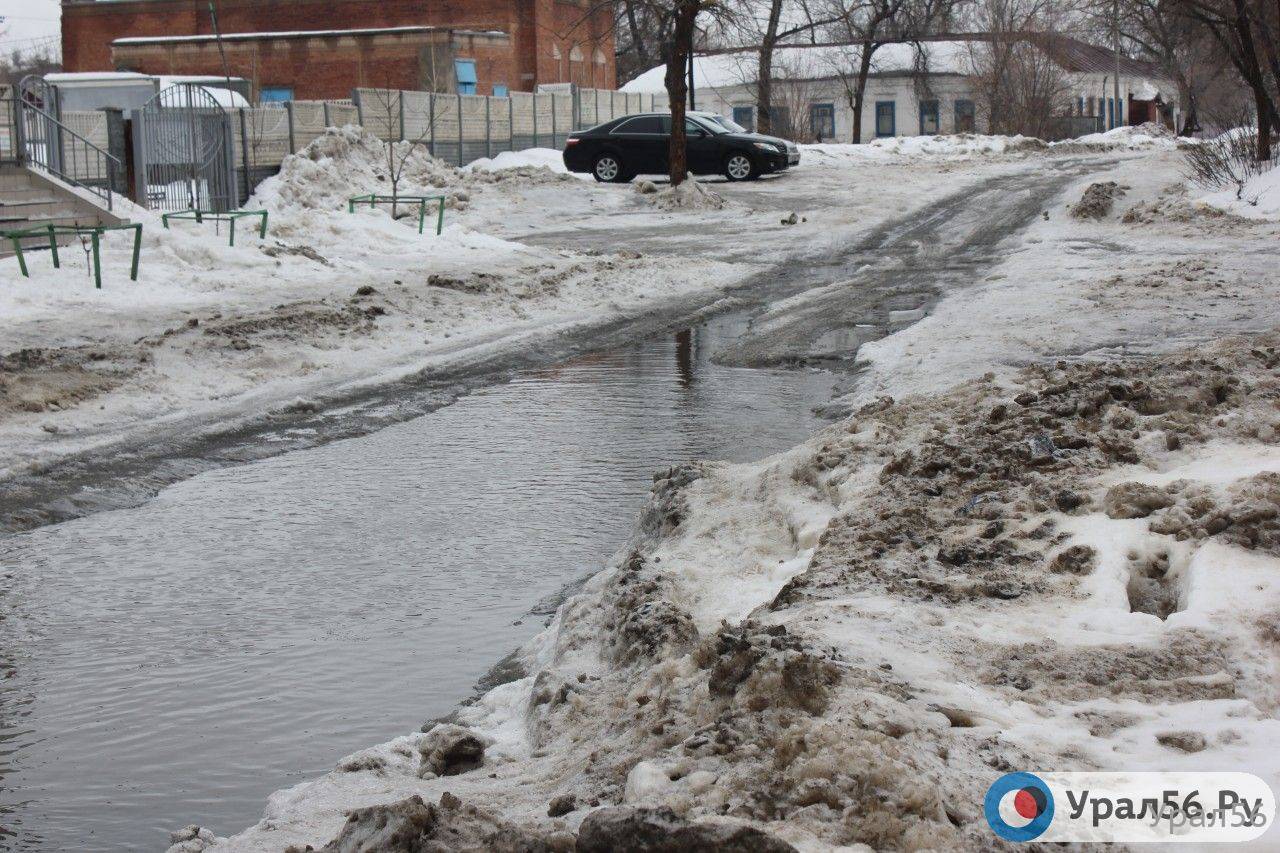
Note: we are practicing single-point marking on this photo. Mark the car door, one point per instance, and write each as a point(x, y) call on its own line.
point(641, 144)
point(702, 150)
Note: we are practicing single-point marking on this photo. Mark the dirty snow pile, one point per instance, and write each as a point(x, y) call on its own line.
point(1139, 137)
point(846, 643)
point(687, 195)
point(347, 162)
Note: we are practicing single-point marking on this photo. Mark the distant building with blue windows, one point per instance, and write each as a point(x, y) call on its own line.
point(926, 87)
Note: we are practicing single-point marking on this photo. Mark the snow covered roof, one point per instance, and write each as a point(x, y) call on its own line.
point(226, 98)
point(812, 62)
point(72, 78)
point(300, 34)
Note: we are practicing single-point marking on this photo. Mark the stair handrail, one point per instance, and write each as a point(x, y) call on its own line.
point(52, 158)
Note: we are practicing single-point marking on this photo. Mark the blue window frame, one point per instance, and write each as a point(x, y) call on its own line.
point(822, 121)
point(886, 118)
point(500, 90)
point(745, 116)
point(465, 71)
point(966, 117)
point(929, 124)
point(275, 94)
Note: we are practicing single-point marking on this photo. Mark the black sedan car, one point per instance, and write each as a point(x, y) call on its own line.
point(633, 145)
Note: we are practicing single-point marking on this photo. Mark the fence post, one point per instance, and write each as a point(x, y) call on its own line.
point(244, 155)
point(355, 98)
point(325, 107)
point(139, 160)
point(293, 144)
point(402, 136)
point(535, 119)
point(488, 128)
point(459, 129)
point(431, 123)
point(511, 122)
point(553, 119)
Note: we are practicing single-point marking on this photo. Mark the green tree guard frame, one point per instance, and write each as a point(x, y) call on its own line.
point(94, 232)
point(420, 200)
point(199, 216)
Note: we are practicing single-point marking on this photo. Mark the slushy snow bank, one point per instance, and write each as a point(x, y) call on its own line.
point(1259, 199)
point(528, 158)
point(1146, 137)
point(847, 643)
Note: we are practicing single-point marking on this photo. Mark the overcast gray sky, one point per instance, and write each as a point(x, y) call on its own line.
point(26, 22)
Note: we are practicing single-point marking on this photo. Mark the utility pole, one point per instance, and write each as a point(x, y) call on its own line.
point(1118, 117)
point(692, 104)
point(222, 51)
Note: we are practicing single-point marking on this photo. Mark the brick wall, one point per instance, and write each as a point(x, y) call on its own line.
point(330, 67)
point(538, 28)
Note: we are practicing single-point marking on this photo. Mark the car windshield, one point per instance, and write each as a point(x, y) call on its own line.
point(728, 125)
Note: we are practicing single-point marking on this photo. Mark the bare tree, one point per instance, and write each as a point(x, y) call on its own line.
point(1019, 86)
point(19, 64)
point(1247, 32)
point(386, 108)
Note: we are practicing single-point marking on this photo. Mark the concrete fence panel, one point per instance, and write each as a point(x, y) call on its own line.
point(417, 116)
point(379, 111)
point(473, 119)
point(523, 121)
point(308, 122)
point(266, 132)
point(446, 128)
point(499, 125)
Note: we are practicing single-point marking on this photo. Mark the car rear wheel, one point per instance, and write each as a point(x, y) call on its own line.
point(608, 169)
point(738, 167)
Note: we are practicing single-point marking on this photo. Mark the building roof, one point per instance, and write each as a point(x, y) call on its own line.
point(301, 34)
point(1084, 58)
point(814, 62)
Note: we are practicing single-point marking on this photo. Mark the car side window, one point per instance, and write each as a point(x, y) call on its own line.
point(649, 125)
point(665, 122)
point(692, 128)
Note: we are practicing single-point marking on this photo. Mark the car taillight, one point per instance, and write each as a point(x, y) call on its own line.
point(572, 140)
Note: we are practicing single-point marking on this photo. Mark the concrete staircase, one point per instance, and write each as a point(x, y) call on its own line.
point(29, 199)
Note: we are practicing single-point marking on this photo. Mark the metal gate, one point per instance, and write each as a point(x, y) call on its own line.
point(183, 151)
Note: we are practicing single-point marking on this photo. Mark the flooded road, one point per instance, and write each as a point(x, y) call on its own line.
point(178, 661)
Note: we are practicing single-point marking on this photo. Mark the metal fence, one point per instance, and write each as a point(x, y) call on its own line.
point(8, 125)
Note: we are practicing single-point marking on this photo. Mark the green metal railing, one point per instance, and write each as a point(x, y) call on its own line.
point(199, 216)
point(421, 201)
point(93, 232)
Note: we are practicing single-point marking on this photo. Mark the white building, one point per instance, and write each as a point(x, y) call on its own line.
point(916, 88)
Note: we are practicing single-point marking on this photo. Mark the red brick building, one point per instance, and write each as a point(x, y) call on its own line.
point(323, 49)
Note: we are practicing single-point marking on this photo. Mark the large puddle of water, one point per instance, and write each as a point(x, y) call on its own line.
point(177, 662)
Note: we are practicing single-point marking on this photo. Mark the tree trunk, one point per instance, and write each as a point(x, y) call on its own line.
point(764, 74)
point(678, 87)
point(860, 90)
point(637, 41)
point(1253, 76)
